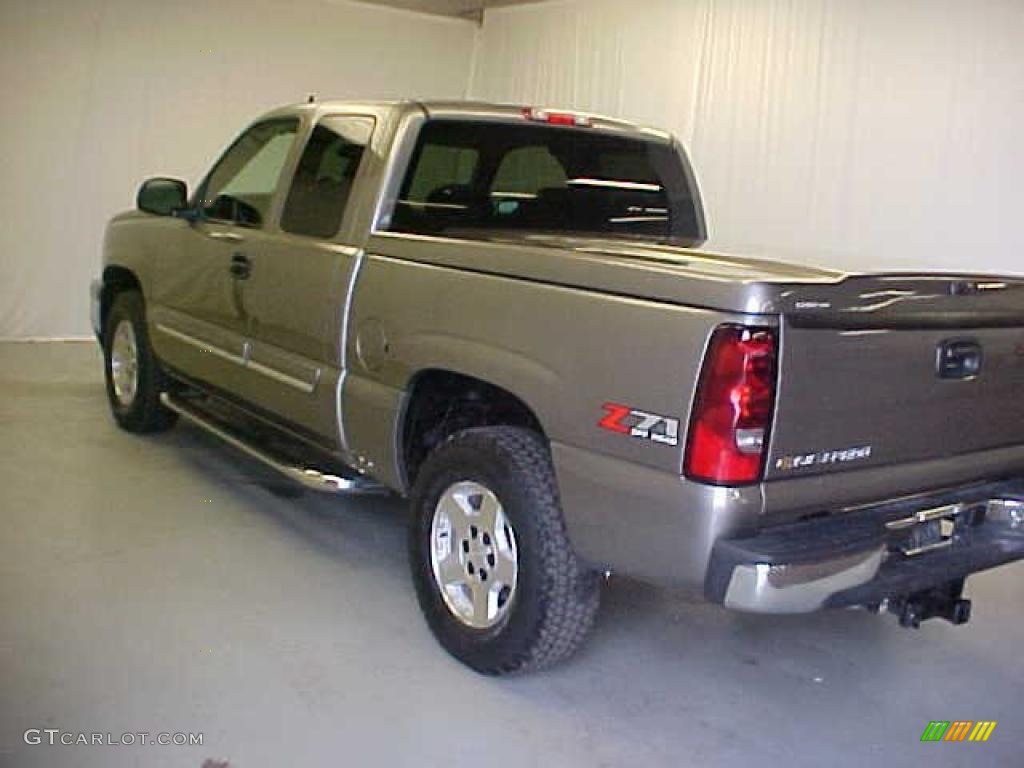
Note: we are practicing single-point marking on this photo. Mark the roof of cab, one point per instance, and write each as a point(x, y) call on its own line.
point(478, 110)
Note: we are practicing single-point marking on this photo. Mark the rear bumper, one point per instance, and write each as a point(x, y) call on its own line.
point(865, 556)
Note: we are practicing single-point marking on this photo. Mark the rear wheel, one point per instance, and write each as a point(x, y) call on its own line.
point(134, 378)
point(494, 570)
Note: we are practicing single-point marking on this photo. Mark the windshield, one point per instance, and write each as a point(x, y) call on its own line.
point(487, 176)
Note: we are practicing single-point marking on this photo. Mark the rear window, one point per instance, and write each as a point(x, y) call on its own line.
point(468, 177)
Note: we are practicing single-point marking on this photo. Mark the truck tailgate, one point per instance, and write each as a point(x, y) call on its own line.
point(898, 369)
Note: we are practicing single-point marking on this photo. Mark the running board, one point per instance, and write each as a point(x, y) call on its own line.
point(309, 477)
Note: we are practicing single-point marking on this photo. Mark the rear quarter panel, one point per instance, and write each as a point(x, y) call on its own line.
point(564, 352)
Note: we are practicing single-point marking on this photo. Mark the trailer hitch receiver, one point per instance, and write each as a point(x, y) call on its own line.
point(942, 602)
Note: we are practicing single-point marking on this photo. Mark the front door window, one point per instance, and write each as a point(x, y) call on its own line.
point(241, 186)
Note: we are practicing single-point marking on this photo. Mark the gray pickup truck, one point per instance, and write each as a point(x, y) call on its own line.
point(508, 315)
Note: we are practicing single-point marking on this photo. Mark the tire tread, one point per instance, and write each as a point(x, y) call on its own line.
point(569, 595)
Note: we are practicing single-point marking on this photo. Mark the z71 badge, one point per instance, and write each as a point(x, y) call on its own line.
point(646, 426)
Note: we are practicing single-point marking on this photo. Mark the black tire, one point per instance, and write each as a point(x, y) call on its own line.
point(556, 598)
point(145, 412)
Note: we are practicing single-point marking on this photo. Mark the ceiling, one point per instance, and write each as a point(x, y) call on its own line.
point(467, 9)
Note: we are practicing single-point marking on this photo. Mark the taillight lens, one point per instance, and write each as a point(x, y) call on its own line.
point(732, 413)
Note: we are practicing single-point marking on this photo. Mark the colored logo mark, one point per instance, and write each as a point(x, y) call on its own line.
point(958, 730)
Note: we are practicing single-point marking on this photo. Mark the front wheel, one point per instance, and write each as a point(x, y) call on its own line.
point(133, 374)
point(495, 574)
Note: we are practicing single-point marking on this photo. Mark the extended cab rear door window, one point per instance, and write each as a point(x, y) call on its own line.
point(468, 177)
point(322, 184)
point(241, 186)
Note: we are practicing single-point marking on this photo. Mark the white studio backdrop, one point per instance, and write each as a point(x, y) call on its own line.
point(100, 94)
point(860, 134)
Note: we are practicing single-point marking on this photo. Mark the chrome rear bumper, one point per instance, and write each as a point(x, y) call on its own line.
point(798, 588)
point(866, 556)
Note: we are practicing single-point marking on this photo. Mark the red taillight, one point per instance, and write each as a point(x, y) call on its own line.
point(556, 118)
point(732, 412)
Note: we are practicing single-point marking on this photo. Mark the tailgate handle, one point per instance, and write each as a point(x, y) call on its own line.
point(958, 359)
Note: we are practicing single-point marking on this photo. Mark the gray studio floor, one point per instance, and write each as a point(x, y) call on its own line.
point(165, 584)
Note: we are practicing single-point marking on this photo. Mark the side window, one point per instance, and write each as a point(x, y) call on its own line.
point(323, 179)
point(240, 187)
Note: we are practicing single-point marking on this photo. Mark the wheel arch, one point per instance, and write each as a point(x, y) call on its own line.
point(116, 279)
point(442, 401)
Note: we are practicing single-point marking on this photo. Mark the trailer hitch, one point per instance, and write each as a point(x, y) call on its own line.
point(942, 602)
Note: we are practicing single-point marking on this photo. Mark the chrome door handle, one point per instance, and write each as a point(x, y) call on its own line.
point(230, 237)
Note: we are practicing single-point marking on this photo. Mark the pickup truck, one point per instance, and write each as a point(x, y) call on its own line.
point(510, 316)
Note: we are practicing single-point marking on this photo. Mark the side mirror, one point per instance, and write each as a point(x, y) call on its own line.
point(162, 196)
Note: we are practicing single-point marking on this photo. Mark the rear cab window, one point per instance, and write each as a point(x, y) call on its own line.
point(472, 178)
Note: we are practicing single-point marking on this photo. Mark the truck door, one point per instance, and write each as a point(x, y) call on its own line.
point(300, 275)
point(200, 320)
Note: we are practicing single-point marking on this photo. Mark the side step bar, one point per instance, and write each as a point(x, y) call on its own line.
point(309, 477)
